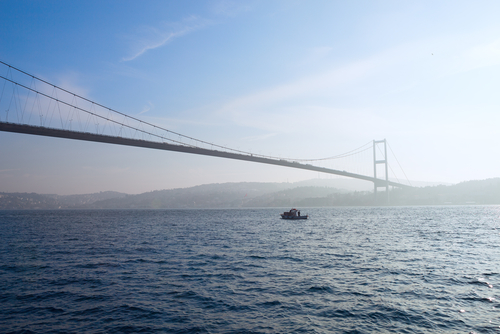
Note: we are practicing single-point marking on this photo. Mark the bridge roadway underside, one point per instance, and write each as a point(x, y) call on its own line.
point(49, 132)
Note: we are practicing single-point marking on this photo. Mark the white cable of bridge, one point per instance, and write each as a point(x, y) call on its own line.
point(363, 148)
point(360, 149)
point(390, 167)
point(399, 164)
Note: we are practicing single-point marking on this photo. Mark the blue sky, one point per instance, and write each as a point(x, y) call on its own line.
point(296, 79)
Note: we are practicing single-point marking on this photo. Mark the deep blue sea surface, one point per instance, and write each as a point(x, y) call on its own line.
point(344, 270)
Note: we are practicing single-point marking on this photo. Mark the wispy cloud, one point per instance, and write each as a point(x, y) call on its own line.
point(482, 55)
point(146, 108)
point(152, 37)
point(409, 67)
point(69, 80)
point(259, 137)
point(280, 99)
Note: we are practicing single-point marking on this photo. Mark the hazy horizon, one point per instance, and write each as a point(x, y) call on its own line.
point(340, 183)
point(288, 79)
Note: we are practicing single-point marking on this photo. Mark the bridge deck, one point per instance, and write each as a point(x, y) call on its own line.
point(50, 132)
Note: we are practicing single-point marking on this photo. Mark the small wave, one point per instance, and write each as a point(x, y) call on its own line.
point(336, 313)
point(479, 299)
point(192, 295)
point(92, 298)
point(159, 261)
point(52, 309)
point(290, 258)
point(88, 312)
point(76, 281)
point(44, 296)
point(23, 331)
point(227, 276)
point(146, 250)
point(22, 268)
point(320, 289)
point(270, 303)
point(480, 281)
point(132, 329)
point(98, 265)
point(389, 314)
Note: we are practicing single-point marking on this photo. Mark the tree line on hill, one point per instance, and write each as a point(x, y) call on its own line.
point(246, 195)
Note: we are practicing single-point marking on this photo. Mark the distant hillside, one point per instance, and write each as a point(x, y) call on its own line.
point(248, 194)
point(225, 195)
point(32, 201)
point(469, 192)
point(356, 184)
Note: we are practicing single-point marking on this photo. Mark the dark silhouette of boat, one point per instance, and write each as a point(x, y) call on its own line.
point(293, 214)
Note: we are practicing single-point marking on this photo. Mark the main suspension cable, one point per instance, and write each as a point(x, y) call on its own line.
point(144, 123)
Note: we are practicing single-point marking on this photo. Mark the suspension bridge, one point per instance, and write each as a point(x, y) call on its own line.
point(31, 105)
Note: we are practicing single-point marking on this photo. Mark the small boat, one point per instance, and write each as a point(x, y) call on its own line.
point(293, 214)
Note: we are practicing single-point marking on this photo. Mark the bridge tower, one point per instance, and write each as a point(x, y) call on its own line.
point(376, 162)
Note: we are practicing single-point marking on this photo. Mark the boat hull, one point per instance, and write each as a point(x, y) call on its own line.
point(293, 217)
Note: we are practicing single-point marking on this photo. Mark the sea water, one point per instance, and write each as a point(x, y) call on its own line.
point(344, 270)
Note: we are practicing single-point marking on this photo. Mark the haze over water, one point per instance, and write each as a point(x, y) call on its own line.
point(344, 270)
